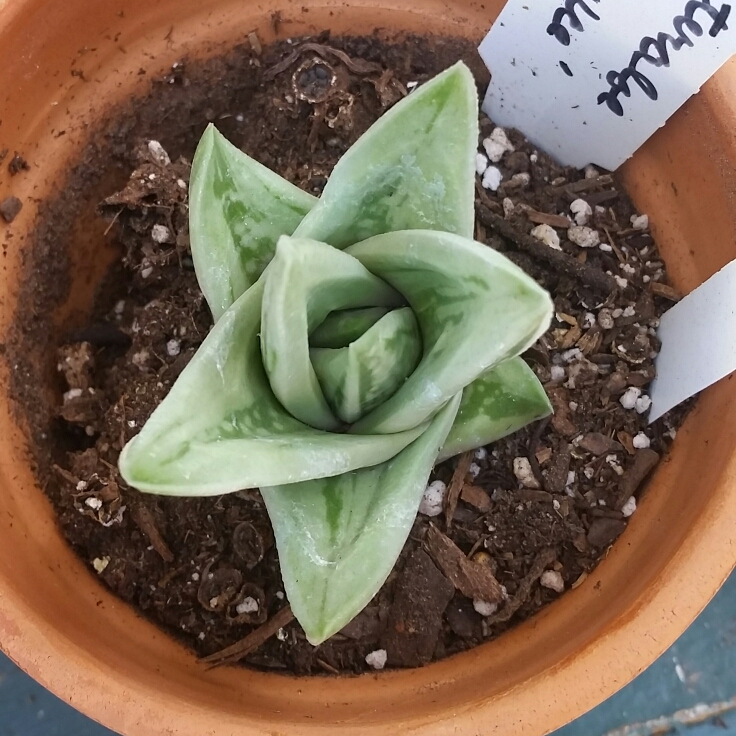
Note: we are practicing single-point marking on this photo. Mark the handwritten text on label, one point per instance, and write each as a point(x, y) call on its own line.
point(590, 80)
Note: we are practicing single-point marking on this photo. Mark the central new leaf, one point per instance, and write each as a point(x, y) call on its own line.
point(358, 338)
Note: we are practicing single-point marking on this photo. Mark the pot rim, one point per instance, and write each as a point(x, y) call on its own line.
point(704, 558)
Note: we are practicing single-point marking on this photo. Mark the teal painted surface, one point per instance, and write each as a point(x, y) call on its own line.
point(706, 653)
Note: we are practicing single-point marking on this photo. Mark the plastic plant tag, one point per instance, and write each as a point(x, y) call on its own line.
point(691, 359)
point(588, 81)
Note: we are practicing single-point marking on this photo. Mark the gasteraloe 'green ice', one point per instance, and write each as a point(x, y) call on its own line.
point(358, 338)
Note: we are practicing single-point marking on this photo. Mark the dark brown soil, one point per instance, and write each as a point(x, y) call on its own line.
point(523, 517)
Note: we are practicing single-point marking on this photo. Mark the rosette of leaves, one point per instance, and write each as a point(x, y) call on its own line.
point(358, 338)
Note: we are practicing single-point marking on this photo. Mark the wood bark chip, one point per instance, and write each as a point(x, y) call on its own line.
point(667, 292)
point(456, 486)
point(555, 478)
point(598, 443)
point(546, 557)
point(644, 463)
point(415, 618)
point(583, 185)
point(250, 643)
point(594, 278)
point(472, 579)
point(604, 531)
point(544, 218)
point(561, 421)
point(476, 497)
point(533, 445)
point(147, 524)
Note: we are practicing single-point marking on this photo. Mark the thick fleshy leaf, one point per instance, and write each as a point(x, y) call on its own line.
point(305, 282)
point(413, 169)
point(339, 329)
point(475, 309)
point(339, 538)
point(358, 378)
point(221, 429)
point(498, 403)
point(238, 209)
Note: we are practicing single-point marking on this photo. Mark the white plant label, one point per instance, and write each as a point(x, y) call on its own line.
point(588, 81)
point(691, 359)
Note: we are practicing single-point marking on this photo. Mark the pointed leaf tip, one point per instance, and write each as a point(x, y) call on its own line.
point(413, 169)
point(338, 539)
point(238, 209)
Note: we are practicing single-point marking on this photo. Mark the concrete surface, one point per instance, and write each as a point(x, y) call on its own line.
point(690, 690)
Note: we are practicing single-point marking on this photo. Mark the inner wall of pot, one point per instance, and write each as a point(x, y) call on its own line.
point(71, 634)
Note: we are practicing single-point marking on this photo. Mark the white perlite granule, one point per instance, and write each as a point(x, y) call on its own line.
point(160, 234)
point(433, 499)
point(629, 397)
point(524, 474)
point(492, 178)
point(547, 235)
point(629, 507)
point(376, 659)
point(484, 608)
point(158, 152)
point(553, 580)
point(249, 605)
point(585, 237)
point(581, 211)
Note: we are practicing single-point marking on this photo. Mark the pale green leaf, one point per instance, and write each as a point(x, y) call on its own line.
point(475, 309)
point(413, 169)
point(357, 378)
point(305, 282)
point(221, 429)
point(237, 211)
point(339, 538)
point(339, 329)
point(496, 404)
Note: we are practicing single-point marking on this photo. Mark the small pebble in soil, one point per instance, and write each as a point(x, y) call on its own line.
point(591, 172)
point(640, 222)
point(173, 348)
point(641, 441)
point(158, 153)
point(508, 207)
point(100, 563)
point(629, 507)
point(281, 635)
point(497, 144)
point(9, 208)
point(553, 580)
point(642, 404)
point(524, 474)
point(160, 234)
point(484, 608)
point(248, 605)
point(93, 502)
point(548, 235)
point(376, 659)
point(584, 236)
point(481, 163)
point(492, 178)
point(557, 373)
point(481, 453)
point(581, 211)
point(630, 397)
point(433, 499)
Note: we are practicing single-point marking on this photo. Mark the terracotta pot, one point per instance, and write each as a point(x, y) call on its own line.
point(63, 628)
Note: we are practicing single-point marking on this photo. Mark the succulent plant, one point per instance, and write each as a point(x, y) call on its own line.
point(358, 338)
